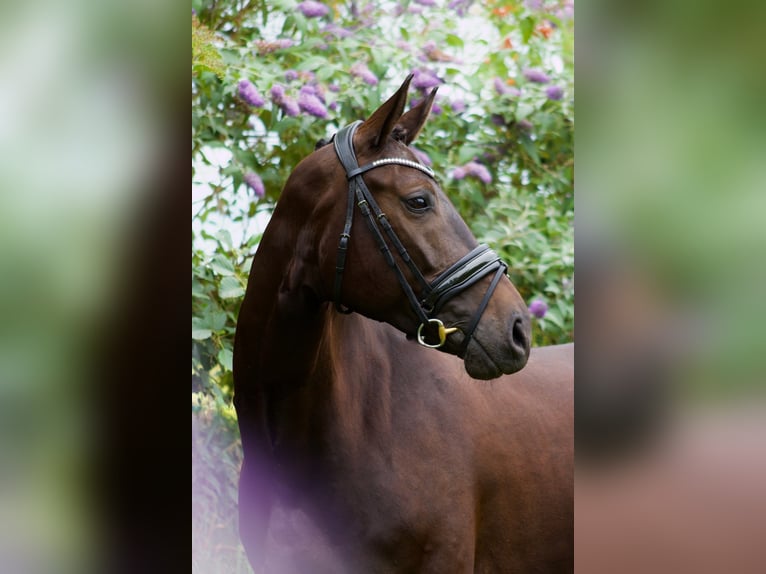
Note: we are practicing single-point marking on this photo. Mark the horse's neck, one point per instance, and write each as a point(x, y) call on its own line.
point(280, 324)
point(297, 357)
point(323, 380)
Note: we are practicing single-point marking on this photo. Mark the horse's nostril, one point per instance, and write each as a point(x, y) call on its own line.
point(519, 335)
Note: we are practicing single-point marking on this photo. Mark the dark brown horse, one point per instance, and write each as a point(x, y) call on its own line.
point(365, 451)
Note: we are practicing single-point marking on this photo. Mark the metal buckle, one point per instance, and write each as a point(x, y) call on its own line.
point(443, 332)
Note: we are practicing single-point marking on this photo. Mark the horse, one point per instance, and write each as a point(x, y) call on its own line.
point(393, 417)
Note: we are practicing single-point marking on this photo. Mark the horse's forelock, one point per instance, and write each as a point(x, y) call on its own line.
point(399, 134)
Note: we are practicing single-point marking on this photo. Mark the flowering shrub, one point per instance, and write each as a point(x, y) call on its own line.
point(270, 80)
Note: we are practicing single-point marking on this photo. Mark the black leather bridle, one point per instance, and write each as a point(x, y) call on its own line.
point(478, 263)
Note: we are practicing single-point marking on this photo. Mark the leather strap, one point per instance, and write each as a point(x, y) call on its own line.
point(478, 263)
point(468, 270)
point(480, 311)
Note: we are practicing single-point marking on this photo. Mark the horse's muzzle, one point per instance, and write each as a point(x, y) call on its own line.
point(488, 357)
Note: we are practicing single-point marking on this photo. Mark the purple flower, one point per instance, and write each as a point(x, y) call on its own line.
point(473, 169)
point(290, 106)
point(426, 2)
point(524, 125)
point(566, 12)
point(249, 94)
point(425, 79)
point(403, 46)
point(311, 9)
point(538, 308)
point(479, 171)
point(503, 89)
point(460, 6)
point(458, 106)
point(277, 93)
point(266, 47)
point(314, 90)
point(291, 75)
point(255, 183)
point(337, 31)
point(554, 92)
point(500, 86)
point(360, 70)
point(536, 75)
point(311, 104)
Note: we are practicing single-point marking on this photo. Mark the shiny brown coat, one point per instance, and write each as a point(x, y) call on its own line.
point(365, 452)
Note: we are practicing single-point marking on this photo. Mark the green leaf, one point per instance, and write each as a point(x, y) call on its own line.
point(221, 265)
point(552, 289)
point(216, 320)
point(312, 64)
point(455, 41)
point(527, 26)
point(225, 358)
point(325, 72)
point(230, 288)
point(198, 290)
point(224, 237)
point(531, 149)
point(554, 317)
point(467, 153)
point(201, 334)
point(524, 111)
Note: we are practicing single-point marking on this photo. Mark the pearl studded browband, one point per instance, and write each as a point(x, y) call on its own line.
point(391, 160)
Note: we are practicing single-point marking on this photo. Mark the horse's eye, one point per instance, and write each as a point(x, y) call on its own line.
point(417, 203)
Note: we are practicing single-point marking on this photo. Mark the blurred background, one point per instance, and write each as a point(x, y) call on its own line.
point(669, 229)
point(670, 239)
point(85, 88)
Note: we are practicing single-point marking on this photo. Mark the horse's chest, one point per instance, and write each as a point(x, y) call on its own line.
point(382, 528)
point(370, 508)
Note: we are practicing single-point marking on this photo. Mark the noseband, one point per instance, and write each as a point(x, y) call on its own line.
point(478, 263)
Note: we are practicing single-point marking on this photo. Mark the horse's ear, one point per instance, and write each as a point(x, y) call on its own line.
point(376, 129)
point(409, 125)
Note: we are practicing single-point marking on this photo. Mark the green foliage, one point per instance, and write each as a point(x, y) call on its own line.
point(487, 111)
point(523, 138)
point(205, 57)
point(540, 258)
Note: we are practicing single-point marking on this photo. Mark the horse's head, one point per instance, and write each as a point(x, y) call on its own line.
point(463, 305)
